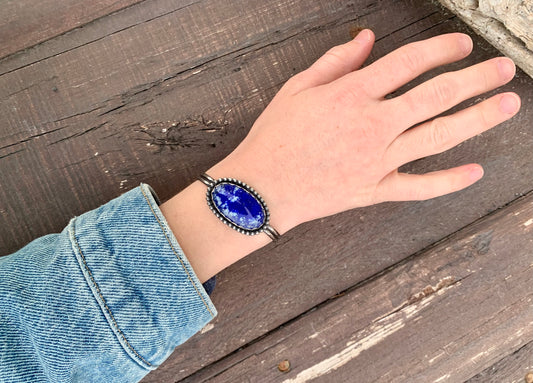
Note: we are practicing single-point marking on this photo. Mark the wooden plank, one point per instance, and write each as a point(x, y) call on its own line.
point(25, 23)
point(250, 297)
point(511, 369)
point(77, 126)
point(441, 316)
point(114, 96)
point(98, 29)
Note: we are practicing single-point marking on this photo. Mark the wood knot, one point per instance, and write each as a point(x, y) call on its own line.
point(529, 377)
point(429, 290)
point(284, 366)
point(354, 31)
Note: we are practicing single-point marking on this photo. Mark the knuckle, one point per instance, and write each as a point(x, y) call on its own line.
point(412, 102)
point(346, 97)
point(333, 58)
point(334, 55)
point(440, 135)
point(486, 79)
point(416, 193)
point(482, 118)
point(294, 82)
point(411, 59)
point(442, 93)
point(439, 93)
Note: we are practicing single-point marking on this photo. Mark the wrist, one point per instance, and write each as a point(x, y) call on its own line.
point(259, 177)
point(209, 245)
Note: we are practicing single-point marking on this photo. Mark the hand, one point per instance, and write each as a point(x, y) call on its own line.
point(329, 141)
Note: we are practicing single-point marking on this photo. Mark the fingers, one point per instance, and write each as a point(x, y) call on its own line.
point(414, 187)
point(408, 62)
point(335, 63)
point(449, 89)
point(444, 133)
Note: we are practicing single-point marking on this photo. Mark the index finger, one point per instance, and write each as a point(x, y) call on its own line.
point(408, 62)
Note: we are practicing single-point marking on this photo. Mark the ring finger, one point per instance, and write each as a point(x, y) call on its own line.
point(443, 133)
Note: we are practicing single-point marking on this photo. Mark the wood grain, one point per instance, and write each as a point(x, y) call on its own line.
point(511, 369)
point(90, 113)
point(25, 23)
point(250, 297)
point(120, 21)
point(440, 316)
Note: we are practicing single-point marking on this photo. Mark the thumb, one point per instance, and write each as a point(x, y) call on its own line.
point(335, 63)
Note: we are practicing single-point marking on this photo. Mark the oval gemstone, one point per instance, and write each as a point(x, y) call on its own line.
point(238, 205)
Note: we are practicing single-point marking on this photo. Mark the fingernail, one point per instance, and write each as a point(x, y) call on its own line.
point(363, 36)
point(466, 44)
point(506, 68)
point(476, 173)
point(509, 104)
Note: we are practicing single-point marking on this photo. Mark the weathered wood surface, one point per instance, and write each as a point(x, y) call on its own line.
point(506, 24)
point(511, 369)
point(164, 89)
point(98, 29)
point(25, 23)
point(441, 316)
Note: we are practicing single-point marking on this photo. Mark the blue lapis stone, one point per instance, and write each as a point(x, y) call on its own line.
point(238, 206)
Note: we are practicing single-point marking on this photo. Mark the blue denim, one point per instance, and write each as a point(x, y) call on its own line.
point(106, 300)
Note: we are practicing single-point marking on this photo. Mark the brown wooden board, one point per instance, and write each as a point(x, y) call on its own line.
point(25, 23)
point(162, 98)
point(441, 316)
point(317, 260)
point(97, 29)
point(513, 368)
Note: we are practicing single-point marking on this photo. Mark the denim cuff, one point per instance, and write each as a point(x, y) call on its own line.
point(138, 274)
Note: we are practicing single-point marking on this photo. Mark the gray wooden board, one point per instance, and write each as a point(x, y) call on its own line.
point(317, 260)
point(85, 117)
point(441, 316)
point(25, 23)
point(96, 30)
point(160, 98)
point(511, 369)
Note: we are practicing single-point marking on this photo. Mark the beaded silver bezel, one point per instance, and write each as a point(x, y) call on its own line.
point(249, 189)
point(264, 228)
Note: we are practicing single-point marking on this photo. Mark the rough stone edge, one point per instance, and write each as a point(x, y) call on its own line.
point(496, 34)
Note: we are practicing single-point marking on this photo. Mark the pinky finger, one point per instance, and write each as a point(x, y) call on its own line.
point(415, 187)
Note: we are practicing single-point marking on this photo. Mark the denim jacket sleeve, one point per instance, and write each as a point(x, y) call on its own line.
point(106, 300)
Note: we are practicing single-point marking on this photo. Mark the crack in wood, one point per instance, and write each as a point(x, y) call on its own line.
point(430, 28)
point(29, 138)
point(78, 134)
point(30, 86)
point(428, 291)
point(26, 49)
point(9, 154)
point(182, 134)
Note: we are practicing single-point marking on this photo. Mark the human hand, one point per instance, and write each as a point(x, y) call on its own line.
point(329, 141)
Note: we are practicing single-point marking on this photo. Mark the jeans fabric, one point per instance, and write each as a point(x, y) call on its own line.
point(106, 300)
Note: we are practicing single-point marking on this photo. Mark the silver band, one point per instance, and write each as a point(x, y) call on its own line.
point(207, 180)
point(271, 232)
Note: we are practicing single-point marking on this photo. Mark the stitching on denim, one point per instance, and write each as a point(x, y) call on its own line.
point(103, 300)
point(177, 255)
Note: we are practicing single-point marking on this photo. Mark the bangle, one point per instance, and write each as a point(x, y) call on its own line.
point(239, 206)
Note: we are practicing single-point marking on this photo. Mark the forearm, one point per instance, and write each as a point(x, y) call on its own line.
point(211, 246)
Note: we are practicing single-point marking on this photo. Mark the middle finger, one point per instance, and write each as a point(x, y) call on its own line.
point(449, 89)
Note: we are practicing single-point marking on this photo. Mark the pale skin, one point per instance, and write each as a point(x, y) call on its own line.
point(330, 141)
